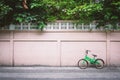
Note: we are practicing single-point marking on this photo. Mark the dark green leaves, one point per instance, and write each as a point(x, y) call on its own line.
point(105, 12)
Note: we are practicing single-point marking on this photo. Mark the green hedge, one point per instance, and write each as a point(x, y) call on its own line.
point(105, 12)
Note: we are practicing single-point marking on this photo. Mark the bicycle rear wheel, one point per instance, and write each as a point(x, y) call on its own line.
point(82, 63)
point(99, 63)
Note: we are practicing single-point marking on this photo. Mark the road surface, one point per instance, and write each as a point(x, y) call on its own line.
point(59, 73)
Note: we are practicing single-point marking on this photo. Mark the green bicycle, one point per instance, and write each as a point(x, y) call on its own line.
point(83, 63)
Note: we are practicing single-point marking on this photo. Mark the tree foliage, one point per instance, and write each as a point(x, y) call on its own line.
point(105, 12)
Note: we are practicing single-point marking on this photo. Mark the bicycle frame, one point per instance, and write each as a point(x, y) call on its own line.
point(91, 60)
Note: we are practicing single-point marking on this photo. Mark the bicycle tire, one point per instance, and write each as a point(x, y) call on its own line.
point(99, 63)
point(82, 64)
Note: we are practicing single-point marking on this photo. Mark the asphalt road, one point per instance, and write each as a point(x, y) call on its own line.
point(59, 73)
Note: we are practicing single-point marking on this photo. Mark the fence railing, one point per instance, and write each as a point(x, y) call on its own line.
point(69, 26)
point(55, 26)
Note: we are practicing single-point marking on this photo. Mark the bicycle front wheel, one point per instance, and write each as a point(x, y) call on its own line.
point(99, 63)
point(82, 63)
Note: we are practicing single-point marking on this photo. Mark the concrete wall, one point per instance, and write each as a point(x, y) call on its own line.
point(57, 48)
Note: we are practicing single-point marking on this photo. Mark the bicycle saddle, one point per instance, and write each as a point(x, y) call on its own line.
point(94, 55)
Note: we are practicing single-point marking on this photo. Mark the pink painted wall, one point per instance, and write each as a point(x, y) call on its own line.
point(5, 53)
point(115, 49)
point(36, 53)
point(57, 48)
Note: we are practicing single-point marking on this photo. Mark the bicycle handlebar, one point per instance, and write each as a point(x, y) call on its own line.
point(88, 51)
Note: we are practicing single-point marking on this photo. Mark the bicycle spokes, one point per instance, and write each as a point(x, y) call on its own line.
point(99, 63)
point(82, 63)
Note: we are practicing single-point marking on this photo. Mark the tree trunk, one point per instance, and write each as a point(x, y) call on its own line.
point(25, 4)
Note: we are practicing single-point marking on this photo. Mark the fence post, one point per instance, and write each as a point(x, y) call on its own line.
point(59, 25)
point(82, 26)
point(67, 25)
point(59, 52)
point(108, 48)
point(21, 26)
point(90, 26)
point(12, 48)
point(29, 26)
